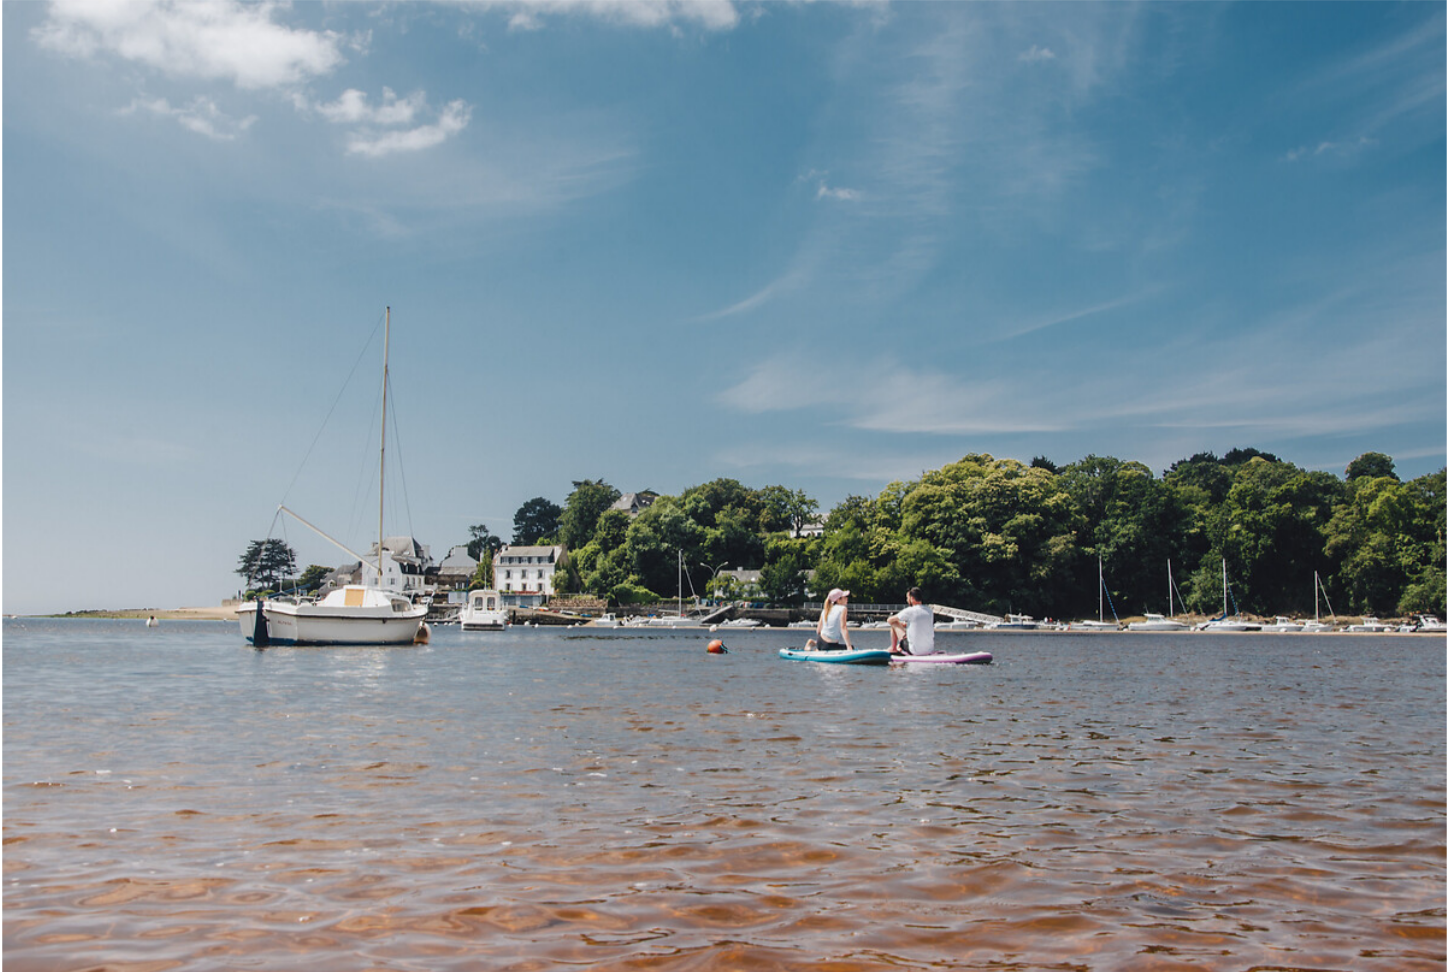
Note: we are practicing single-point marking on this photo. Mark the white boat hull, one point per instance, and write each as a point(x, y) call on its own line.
point(1230, 626)
point(375, 618)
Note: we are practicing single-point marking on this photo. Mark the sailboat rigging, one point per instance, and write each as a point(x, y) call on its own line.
point(1101, 624)
point(1157, 622)
point(1223, 622)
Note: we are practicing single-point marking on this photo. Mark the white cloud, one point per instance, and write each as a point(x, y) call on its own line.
point(214, 40)
point(201, 116)
point(1035, 53)
point(454, 119)
point(845, 195)
point(352, 108)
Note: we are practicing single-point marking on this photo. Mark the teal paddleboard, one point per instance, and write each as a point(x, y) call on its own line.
point(858, 656)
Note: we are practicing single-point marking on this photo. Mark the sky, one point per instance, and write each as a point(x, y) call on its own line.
point(820, 245)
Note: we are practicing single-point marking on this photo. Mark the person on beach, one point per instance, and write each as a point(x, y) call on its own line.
point(830, 631)
point(913, 631)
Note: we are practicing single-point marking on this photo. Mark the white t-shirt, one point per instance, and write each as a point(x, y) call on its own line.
point(830, 630)
point(920, 629)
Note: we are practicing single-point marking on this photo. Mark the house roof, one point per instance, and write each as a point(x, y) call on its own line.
point(554, 551)
point(458, 559)
point(634, 502)
point(405, 550)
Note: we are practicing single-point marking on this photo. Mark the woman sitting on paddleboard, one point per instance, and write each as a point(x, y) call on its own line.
point(830, 630)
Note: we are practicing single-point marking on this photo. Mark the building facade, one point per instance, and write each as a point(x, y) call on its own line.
point(524, 575)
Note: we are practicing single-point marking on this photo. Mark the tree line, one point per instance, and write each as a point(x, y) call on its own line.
point(1000, 535)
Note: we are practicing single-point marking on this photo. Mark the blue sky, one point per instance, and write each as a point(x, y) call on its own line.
point(816, 244)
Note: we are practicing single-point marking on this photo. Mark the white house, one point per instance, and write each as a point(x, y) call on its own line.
point(404, 569)
point(524, 575)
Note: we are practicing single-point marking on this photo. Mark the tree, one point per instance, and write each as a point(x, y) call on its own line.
point(1373, 465)
point(536, 520)
point(782, 578)
point(483, 544)
point(590, 499)
point(312, 577)
point(267, 562)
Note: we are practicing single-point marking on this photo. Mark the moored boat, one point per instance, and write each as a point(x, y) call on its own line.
point(1015, 622)
point(483, 611)
point(1156, 622)
point(351, 615)
point(357, 614)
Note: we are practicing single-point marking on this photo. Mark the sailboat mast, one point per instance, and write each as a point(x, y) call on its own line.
point(1225, 587)
point(1169, 588)
point(382, 446)
point(1101, 586)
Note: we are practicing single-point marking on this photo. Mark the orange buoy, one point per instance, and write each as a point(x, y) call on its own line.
point(716, 647)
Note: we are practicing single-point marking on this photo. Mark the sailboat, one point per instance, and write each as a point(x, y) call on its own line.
point(1225, 623)
point(1101, 624)
point(1156, 622)
point(678, 619)
point(357, 614)
point(1316, 625)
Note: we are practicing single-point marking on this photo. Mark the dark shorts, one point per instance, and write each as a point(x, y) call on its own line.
point(829, 646)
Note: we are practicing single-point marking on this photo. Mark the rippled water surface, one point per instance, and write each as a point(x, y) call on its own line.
point(538, 799)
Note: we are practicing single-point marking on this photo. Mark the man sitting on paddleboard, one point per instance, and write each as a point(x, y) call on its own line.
point(831, 629)
point(913, 631)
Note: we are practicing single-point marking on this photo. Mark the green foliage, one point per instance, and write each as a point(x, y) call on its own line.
point(782, 577)
point(535, 521)
point(482, 578)
point(312, 577)
point(267, 562)
point(582, 510)
point(632, 593)
point(1371, 465)
point(996, 535)
point(482, 544)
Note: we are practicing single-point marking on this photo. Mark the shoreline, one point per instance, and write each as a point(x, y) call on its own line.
point(217, 613)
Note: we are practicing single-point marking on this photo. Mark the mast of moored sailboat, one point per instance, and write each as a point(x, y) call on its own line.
point(382, 446)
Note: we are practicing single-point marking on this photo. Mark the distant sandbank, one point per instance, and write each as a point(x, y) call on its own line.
point(220, 612)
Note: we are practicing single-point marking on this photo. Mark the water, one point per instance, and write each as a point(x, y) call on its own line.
point(537, 799)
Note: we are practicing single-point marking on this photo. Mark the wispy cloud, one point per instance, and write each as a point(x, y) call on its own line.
point(201, 116)
point(774, 289)
point(221, 40)
point(1336, 150)
point(1034, 54)
point(529, 15)
point(372, 138)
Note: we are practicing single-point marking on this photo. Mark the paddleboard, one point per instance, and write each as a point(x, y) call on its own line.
point(968, 658)
point(858, 656)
